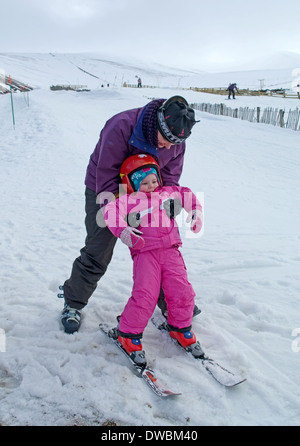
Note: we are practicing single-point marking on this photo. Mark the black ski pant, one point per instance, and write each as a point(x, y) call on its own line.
point(94, 257)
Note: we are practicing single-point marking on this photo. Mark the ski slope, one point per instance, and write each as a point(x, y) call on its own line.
point(244, 268)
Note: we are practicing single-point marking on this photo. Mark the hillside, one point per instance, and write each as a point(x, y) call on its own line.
point(94, 70)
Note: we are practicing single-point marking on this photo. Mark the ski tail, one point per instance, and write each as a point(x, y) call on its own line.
point(218, 372)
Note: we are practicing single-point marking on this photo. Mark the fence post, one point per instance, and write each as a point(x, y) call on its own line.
point(281, 115)
point(257, 114)
point(11, 100)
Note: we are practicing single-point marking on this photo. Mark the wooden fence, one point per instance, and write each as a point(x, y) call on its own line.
point(9, 84)
point(278, 93)
point(69, 87)
point(125, 84)
point(277, 117)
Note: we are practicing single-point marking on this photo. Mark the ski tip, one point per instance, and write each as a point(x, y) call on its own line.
point(232, 382)
point(169, 393)
point(239, 382)
point(156, 386)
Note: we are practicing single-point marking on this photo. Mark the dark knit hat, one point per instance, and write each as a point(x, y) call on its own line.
point(175, 120)
point(150, 121)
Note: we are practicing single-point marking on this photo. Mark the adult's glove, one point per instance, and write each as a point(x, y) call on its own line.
point(173, 207)
point(195, 218)
point(132, 238)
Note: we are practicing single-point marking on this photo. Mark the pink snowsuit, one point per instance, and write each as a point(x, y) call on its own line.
point(159, 262)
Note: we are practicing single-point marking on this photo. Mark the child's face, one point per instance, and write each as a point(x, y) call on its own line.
point(149, 184)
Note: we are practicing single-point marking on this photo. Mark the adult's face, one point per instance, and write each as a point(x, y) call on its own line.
point(162, 142)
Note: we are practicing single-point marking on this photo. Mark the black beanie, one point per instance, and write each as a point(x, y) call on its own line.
point(175, 120)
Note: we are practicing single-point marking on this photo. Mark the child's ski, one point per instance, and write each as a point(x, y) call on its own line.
point(219, 373)
point(145, 372)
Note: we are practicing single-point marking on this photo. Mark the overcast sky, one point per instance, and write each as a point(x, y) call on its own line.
point(203, 34)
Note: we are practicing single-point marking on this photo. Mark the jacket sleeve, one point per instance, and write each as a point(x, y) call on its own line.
point(189, 200)
point(112, 150)
point(115, 214)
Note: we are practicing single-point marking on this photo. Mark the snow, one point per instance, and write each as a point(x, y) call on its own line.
point(244, 268)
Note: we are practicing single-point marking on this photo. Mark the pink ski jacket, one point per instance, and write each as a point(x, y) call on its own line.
point(159, 231)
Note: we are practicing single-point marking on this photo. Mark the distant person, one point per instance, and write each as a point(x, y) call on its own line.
point(231, 90)
point(139, 82)
point(153, 239)
point(159, 129)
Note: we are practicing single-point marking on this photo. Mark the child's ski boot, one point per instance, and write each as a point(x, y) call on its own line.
point(188, 341)
point(133, 347)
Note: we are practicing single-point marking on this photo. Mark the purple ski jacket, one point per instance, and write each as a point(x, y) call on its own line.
point(121, 137)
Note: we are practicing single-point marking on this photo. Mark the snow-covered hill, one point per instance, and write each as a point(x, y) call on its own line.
point(93, 70)
point(244, 269)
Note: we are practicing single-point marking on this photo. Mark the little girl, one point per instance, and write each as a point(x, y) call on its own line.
point(140, 220)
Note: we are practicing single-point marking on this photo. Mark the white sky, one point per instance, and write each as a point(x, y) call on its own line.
point(203, 34)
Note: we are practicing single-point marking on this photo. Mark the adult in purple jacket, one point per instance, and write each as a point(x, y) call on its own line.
point(160, 129)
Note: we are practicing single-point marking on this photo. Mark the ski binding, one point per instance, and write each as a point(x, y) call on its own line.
point(143, 370)
point(218, 372)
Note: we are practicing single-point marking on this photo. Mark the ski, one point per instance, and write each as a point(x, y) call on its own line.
point(218, 372)
point(144, 371)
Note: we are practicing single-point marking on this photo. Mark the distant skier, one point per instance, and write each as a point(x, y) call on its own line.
point(231, 89)
point(140, 220)
point(139, 82)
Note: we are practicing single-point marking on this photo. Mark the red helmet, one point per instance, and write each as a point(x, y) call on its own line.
point(133, 163)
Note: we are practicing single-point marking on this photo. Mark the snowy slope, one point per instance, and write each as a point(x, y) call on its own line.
point(244, 269)
point(93, 70)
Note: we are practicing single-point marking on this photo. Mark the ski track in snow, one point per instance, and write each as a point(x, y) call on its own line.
point(244, 269)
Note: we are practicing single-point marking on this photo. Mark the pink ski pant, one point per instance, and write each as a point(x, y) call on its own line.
point(151, 269)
